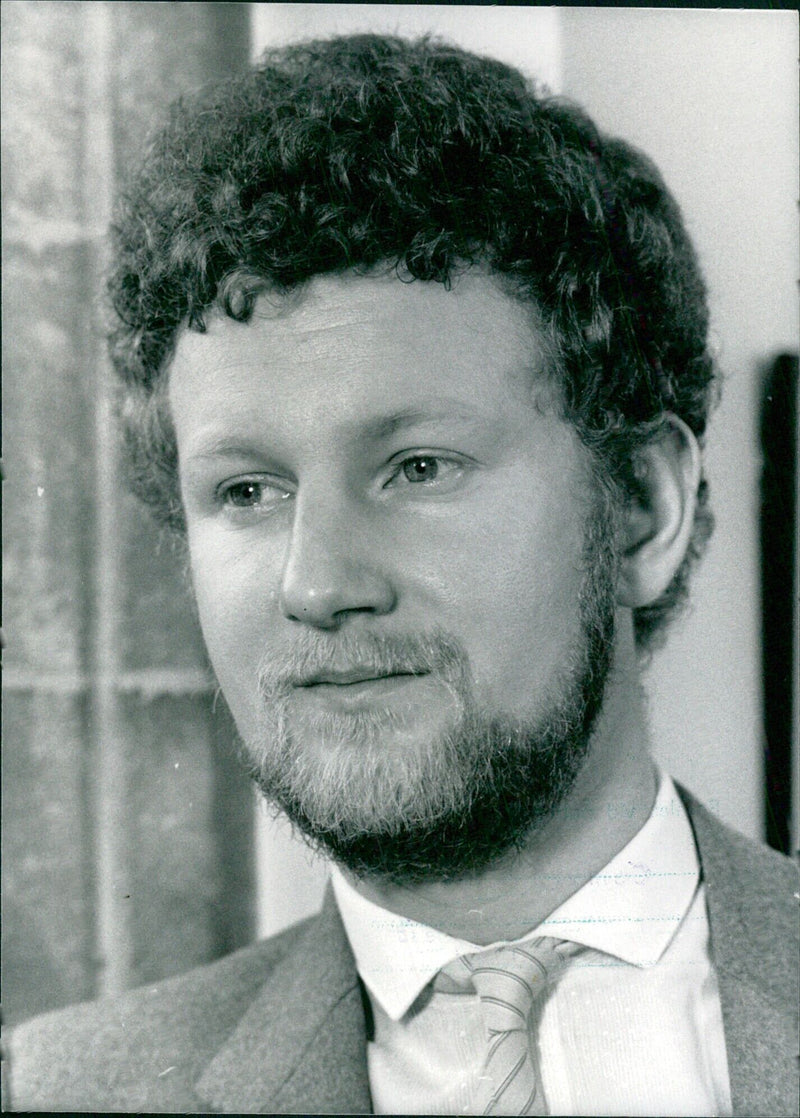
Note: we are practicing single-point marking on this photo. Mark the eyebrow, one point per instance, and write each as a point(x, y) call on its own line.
point(372, 430)
point(388, 425)
point(377, 429)
point(224, 447)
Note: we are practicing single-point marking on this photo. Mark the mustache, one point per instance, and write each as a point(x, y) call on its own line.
point(319, 654)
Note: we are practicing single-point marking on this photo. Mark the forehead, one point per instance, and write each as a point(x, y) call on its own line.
point(365, 348)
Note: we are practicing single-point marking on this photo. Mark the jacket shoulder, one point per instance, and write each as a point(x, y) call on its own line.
point(142, 1050)
point(753, 894)
point(763, 872)
point(752, 897)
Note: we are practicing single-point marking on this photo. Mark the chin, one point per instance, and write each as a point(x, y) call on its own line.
point(444, 809)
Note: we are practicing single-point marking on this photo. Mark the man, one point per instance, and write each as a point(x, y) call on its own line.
point(416, 359)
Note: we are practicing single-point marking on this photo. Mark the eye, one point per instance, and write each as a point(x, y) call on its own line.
point(249, 493)
point(242, 494)
point(434, 471)
point(420, 469)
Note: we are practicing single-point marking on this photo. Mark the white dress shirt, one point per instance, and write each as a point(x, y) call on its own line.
point(633, 1026)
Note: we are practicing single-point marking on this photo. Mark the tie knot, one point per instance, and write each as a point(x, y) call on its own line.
point(509, 979)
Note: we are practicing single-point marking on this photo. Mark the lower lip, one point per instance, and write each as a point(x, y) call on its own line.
point(359, 695)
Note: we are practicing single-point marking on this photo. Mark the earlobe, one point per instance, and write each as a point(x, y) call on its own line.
point(659, 519)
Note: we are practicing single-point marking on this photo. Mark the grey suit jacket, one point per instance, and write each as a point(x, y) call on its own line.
point(281, 1027)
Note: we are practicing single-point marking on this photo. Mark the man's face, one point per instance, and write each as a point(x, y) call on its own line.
point(389, 526)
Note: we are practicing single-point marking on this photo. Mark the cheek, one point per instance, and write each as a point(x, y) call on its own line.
point(235, 598)
point(514, 600)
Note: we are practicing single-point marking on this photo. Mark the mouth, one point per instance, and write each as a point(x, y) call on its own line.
point(355, 689)
point(355, 676)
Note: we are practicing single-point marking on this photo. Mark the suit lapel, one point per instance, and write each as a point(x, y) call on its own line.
point(753, 942)
point(301, 1045)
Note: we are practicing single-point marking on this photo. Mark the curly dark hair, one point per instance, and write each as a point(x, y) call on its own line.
point(364, 151)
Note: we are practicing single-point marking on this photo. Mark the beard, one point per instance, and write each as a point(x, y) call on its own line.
point(465, 797)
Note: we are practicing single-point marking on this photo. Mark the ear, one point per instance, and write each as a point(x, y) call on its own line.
point(658, 522)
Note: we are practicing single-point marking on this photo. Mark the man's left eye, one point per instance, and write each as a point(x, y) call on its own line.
point(426, 469)
point(420, 469)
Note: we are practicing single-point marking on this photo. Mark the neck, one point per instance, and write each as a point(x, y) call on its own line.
point(610, 801)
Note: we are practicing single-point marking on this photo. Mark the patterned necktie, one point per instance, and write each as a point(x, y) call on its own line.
point(508, 980)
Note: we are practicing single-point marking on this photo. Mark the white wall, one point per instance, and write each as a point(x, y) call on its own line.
point(712, 96)
point(524, 37)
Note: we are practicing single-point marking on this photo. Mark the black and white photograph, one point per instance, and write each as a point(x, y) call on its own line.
point(401, 559)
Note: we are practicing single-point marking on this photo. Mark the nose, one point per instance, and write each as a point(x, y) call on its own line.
point(333, 567)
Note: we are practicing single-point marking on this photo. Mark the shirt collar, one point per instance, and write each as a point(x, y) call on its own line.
point(630, 910)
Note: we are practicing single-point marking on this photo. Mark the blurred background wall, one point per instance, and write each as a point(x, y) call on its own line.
point(132, 848)
point(127, 828)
